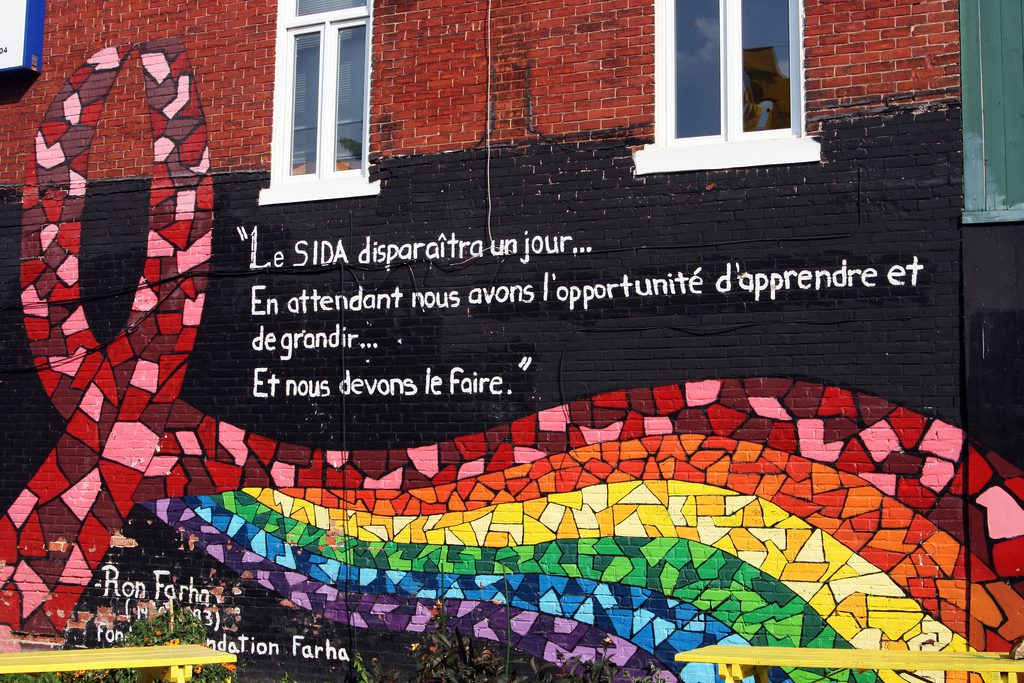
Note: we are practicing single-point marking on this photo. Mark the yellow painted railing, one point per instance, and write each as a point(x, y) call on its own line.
point(171, 663)
point(736, 662)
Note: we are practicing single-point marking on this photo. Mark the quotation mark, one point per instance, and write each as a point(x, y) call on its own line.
point(243, 234)
point(525, 363)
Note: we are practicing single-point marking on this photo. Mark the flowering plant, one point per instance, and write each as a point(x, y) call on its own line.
point(176, 627)
point(171, 627)
point(444, 655)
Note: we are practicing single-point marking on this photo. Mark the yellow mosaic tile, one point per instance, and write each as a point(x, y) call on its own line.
point(856, 598)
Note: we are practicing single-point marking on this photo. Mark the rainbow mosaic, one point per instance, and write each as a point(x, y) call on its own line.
point(847, 530)
point(759, 510)
point(834, 582)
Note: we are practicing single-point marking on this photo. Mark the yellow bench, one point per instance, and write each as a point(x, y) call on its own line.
point(171, 663)
point(736, 662)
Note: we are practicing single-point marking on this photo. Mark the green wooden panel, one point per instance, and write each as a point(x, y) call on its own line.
point(992, 104)
point(1013, 102)
point(970, 84)
point(992, 73)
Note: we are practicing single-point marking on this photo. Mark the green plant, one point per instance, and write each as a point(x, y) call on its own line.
point(600, 669)
point(354, 147)
point(166, 628)
point(178, 627)
point(30, 678)
point(597, 670)
point(371, 672)
point(443, 655)
point(448, 656)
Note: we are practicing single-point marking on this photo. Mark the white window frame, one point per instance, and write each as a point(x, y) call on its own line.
point(326, 183)
point(733, 148)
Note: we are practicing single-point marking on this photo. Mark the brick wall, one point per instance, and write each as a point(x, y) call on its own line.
point(889, 193)
point(233, 47)
point(573, 68)
point(588, 67)
point(582, 68)
point(838, 405)
point(873, 53)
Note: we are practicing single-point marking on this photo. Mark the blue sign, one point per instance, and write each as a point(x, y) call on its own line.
point(21, 35)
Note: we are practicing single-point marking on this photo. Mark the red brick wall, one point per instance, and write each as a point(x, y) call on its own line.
point(230, 44)
point(865, 53)
point(576, 67)
point(428, 88)
point(557, 68)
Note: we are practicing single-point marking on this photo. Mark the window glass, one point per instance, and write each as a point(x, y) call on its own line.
point(306, 7)
point(728, 86)
point(351, 93)
point(766, 68)
point(320, 139)
point(698, 69)
point(306, 98)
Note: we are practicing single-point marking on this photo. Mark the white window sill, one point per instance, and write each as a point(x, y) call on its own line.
point(696, 157)
point(343, 188)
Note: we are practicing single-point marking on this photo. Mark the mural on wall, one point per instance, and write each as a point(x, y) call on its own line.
point(757, 511)
point(117, 398)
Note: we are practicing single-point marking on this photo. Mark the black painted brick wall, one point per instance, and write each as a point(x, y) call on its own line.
point(888, 189)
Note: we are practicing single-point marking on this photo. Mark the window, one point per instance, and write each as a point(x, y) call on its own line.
point(992, 76)
point(728, 86)
point(321, 92)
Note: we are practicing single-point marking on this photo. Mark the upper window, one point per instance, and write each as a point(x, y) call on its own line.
point(321, 98)
point(728, 86)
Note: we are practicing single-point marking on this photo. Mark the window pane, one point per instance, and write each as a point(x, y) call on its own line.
point(306, 103)
point(766, 67)
point(351, 93)
point(698, 69)
point(317, 6)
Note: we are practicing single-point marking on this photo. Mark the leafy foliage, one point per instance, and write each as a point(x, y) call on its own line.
point(447, 656)
point(166, 628)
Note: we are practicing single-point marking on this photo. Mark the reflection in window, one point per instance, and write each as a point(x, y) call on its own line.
point(733, 71)
point(698, 69)
point(351, 95)
point(766, 68)
point(320, 142)
point(306, 108)
point(728, 86)
point(306, 7)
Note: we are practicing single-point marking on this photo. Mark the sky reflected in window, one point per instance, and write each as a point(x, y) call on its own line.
point(698, 69)
point(766, 77)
